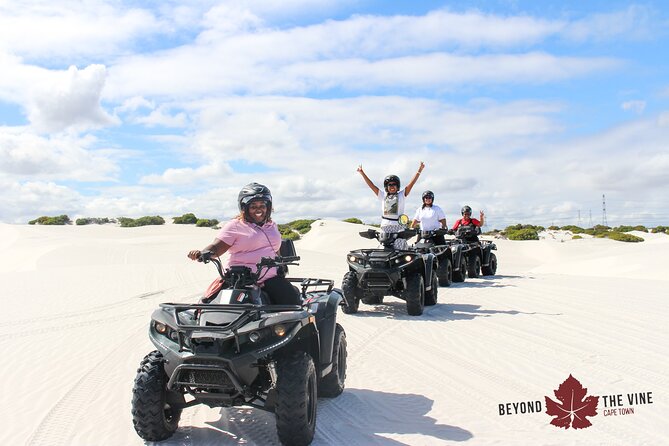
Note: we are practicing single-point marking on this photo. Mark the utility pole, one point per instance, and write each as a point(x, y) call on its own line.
point(579, 217)
point(604, 221)
point(590, 219)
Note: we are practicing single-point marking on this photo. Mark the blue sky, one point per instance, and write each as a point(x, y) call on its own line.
point(528, 110)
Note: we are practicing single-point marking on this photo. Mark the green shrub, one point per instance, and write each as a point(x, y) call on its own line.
point(301, 226)
point(288, 233)
point(576, 237)
point(553, 228)
point(522, 234)
point(185, 219)
point(630, 228)
point(354, 220)
point(519, 227)
point(623, 237)
point(657, 229)
point(573, 229)
point(202, 222)
point(58, 220)
point(142, 221)
point(93, 221)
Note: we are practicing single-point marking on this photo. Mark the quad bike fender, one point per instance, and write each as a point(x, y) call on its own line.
point(428, 263)
point(325, 311)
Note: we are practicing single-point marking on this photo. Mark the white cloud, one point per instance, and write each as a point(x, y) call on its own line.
point(632, 23)
point(58, 157)
point(24, 201)
point(70, 99)
point(65, 29)
point(636, 106)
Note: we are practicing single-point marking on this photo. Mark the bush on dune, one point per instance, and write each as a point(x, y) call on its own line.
point(640, 228)
point(658, 229)
point(623, 237)
point(573, 229)
point(354, 220)
point(522, 232)
point(45, 220)
point(294, 229)
point(206, 223)
point(185, 219)
point(93, 221)
point(142, 221)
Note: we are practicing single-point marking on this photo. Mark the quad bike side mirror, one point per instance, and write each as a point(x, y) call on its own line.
point(370, 234)
point(403, 219)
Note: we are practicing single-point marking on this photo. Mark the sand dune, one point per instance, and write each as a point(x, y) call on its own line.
point(77, 302)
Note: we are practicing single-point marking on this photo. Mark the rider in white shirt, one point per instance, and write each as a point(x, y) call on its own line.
point(430, 216)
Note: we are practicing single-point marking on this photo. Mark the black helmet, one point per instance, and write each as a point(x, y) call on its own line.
point(253, 192)
point(466, 209)
point(428, 194)
point(391, 179)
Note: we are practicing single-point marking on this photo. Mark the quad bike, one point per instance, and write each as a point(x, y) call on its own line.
point(480, 260)
point(239, 350)
point(450, 257)
point(375, 273)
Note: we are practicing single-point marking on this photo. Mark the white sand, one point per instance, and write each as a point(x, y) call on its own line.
point(77, 301)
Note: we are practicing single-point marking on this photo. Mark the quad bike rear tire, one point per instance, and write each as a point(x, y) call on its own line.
point(333, 383)
point(491, 268)
point(431, 296)
point(296, 399)
point(474, 266)
point(415, 295)
point(461, 274)
point(445, 272)
point(153, 417)
point(349, 286)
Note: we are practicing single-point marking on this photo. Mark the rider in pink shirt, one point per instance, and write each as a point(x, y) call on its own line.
point(251, 236)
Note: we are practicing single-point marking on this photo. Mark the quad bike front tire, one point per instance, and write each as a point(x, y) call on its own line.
point(415, 295)
point(491, 268)
point(333, 383)
point(445, 272)
point(474, 266)
point(431, 296)
point(296, 399)
point(461, 274)
point(349, 286)
point(153, 417)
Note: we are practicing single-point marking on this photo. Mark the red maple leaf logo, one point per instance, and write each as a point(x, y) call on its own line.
point(575, 406)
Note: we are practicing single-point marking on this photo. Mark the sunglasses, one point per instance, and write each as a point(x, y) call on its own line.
point(392, 184)
point(254, 206)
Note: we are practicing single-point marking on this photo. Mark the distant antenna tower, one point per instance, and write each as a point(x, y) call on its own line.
point(590, 225)
point(604, 222)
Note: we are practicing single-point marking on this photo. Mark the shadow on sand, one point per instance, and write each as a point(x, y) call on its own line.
point(356, 417)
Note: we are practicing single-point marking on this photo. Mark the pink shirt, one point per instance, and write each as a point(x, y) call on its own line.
point(249, 243)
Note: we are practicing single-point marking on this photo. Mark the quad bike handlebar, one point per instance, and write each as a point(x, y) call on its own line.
point(242, 274)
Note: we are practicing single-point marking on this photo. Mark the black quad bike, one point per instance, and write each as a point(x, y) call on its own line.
point(375, 273)
point(450, 257)
point(480, 258)
point(239, 350)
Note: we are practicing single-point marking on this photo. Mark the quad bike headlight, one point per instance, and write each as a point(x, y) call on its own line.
point(160, 327)
point(280, 330)
point(254, 336)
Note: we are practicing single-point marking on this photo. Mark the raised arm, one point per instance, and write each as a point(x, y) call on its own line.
point(482, 218)
point(407, 190)
point(371, 185)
